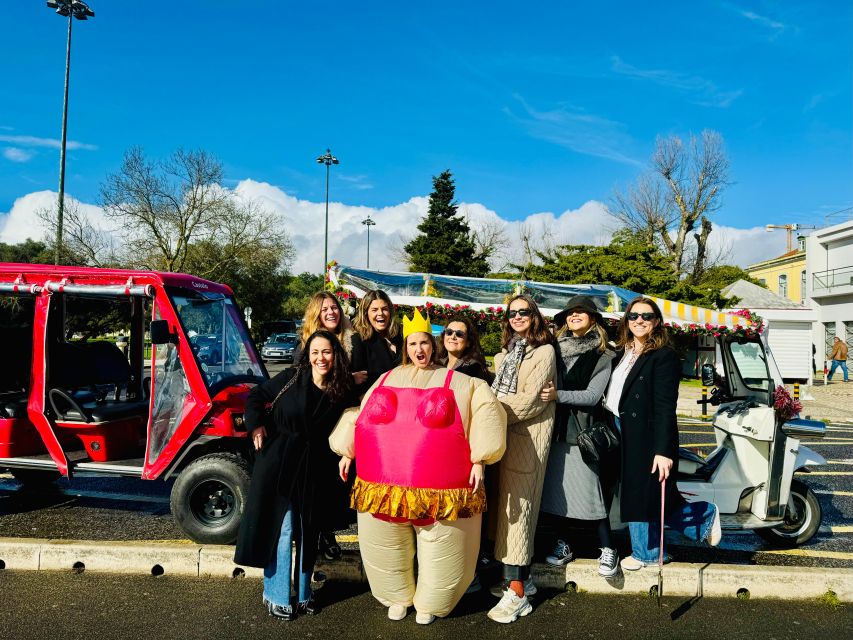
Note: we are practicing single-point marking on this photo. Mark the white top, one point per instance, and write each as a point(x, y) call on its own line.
point(617, 381)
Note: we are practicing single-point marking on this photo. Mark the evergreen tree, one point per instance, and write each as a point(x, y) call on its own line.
point(444, 245)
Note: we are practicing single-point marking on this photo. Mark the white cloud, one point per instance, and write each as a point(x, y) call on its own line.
point(15, 154)
point(590, 223)
point(54, 143)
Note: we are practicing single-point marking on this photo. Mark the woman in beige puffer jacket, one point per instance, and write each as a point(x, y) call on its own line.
point(526, 364)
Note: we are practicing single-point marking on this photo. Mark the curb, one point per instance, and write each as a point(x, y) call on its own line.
point(216, 561)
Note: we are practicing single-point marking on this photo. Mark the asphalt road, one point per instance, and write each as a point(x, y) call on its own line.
point(100, 607)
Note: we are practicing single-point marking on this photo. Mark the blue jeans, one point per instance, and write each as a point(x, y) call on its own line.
point(278, 574)
point(693, 521)
point(835, 365)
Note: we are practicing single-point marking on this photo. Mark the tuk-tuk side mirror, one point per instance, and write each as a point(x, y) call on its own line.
point(708, 374)
point(160, 333)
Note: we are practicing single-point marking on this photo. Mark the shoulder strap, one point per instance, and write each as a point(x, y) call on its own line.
point(448, 378)
point(387, 373)
point(285, 388)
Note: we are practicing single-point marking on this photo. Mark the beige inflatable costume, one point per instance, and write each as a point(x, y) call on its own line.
point(419, 431)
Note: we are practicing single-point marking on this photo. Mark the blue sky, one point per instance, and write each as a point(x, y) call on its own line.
point(537, 108)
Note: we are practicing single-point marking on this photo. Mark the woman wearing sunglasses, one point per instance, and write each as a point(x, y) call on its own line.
point(525, 365)
point(642, 397)
point(573, 488)
point(460, 350)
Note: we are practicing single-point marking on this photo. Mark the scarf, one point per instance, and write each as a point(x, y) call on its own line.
point(506, 380)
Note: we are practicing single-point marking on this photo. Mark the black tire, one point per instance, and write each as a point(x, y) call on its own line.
point(34, 480)
point(209, 497)
point(801, 529)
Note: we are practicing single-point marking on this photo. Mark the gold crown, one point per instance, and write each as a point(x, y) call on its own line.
point(416, 324)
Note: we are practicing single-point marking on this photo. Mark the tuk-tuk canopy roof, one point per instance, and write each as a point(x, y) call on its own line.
point(442, 295)
point(39, 274)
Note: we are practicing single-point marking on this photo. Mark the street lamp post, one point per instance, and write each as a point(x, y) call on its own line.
point(80, 10)
point(328, 159)
point(367, 222)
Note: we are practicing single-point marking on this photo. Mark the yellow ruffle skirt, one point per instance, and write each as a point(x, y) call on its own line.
point(413, 503)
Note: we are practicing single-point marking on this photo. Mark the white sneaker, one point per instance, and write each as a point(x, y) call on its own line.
point(510, 608)
point(424, 618)
point(608, 563)
point(632, 564)
point(716, 532)
point(561, 556)
point(397, 612)
point(529, 588)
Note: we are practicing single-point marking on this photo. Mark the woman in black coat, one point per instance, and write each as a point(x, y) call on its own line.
point(460, 349)
point(295, 492)
point(377, 345)
point(642, 397)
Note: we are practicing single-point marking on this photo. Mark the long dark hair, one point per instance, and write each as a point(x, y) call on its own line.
point(537, 335)
point(338, 380)
point(473, 351)
point(659, 337)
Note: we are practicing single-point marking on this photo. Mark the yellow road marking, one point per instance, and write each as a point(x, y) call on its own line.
point(825, 473)
point(698, 433)
point(810, 553)
point(841, 528)
point(347, 538)
point(825, 492)
point(839, 462)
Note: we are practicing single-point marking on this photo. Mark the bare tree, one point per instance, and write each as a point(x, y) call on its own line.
point(491, 240)
point(84, 240)
point(162, 209)
point(672, 206)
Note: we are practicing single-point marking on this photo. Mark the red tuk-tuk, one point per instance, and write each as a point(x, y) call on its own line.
point(73, 400)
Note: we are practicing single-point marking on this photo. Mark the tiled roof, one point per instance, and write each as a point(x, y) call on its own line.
point(753, 296)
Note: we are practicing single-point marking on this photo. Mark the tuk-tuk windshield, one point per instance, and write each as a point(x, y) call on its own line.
point(218, 338)
point(751, 362)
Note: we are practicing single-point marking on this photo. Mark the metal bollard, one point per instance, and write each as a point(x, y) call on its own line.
point(705, 415)
point(796, 391)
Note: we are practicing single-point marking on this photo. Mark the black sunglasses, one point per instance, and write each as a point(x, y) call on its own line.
point(459, 333)
point(518, 312)
point(647, 315)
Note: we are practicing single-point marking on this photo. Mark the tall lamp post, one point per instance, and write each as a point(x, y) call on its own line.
point(367, 222)
point(327, 159)
point(70, 9)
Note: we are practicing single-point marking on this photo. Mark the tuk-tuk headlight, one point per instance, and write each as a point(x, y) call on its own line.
point(239, 422)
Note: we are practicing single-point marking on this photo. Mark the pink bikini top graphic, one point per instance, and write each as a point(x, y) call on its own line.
point(413, 438)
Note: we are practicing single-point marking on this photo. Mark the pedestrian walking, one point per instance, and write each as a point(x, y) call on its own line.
point(377, 345)
point(642, 397)
point(573, 489)
point(524, 366)
point(838, 358)
point(421, 439)
point(294, 492)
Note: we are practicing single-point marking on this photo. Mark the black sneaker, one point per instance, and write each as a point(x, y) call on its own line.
point(329, 547)
point(561, 555)
point(307, 608)
point(282, 612)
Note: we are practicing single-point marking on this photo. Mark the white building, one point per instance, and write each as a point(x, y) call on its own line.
point(829, 284)
point(788, 327)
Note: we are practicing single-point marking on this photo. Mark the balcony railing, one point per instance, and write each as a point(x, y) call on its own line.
point(832, 278)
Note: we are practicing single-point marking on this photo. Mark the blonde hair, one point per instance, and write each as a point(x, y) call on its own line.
point(311, 321)
point(362, 324)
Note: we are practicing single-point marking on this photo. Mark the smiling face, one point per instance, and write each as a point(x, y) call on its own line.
point(379, 316)
point(330, 315)
point(453, 344)
point(321, 357)
point(419, 349)
point(518, 322)
point(578, 322)
point(640, 328)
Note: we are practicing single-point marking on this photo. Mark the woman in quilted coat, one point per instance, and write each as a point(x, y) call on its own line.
point(525, 365)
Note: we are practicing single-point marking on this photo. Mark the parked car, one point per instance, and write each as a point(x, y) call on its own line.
point(279, 347)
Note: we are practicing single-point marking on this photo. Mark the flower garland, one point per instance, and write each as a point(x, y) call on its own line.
point(786, 407)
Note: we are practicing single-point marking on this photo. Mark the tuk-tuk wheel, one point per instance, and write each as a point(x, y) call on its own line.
point(208, 497)
point(798, 528)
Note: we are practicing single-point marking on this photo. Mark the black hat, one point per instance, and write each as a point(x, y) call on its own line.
point(584, 303)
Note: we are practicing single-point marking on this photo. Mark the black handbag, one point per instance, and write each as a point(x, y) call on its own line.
point(597, 441)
